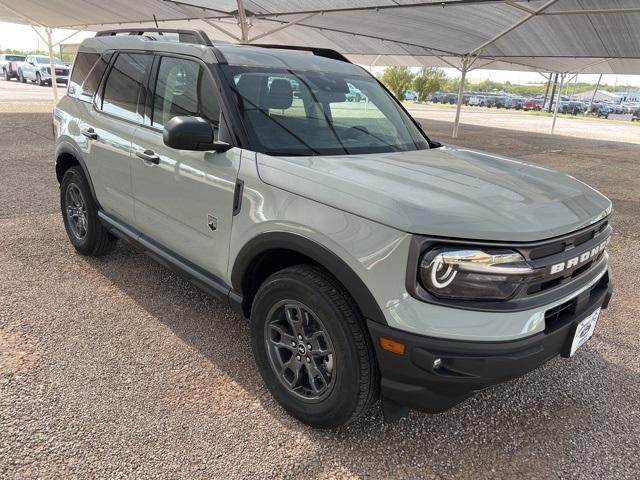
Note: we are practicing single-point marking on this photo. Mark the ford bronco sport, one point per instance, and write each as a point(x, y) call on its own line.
point(371, 261)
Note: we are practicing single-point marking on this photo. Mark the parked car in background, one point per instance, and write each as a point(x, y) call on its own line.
point(9, 65)
point(410, 95)
point(499, 101)
point(514, 102)
point(599, 110)
point(635, 115)
point(435, 97)
point(533, 104)
point(572, 107)
point(37, 69)
point(354, 94)
point(478, 100)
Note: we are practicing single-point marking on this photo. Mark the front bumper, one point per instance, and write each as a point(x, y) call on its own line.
point(410, 379)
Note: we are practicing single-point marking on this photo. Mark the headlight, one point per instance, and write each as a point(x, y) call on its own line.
point(473, 274)
point(46, 69)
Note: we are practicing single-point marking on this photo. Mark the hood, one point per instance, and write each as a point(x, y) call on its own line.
point(449, 192)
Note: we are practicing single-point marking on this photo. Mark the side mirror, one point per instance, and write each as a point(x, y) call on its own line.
point(192, 133)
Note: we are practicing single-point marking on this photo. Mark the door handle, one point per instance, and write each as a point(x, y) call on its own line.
point(89, 133)
point(148, 156)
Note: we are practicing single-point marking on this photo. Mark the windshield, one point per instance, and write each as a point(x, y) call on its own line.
point(291, 112)
point(45, 60)
point(14, 58)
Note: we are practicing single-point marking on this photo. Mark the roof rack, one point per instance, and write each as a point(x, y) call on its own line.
point(184, 36)
point(320, 52)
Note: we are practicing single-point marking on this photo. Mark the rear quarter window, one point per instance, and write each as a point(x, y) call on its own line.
point(81, 68)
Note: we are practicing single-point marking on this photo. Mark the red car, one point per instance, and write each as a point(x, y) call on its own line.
point(533, 104)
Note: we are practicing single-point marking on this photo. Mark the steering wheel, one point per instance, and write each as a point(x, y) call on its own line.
point(354, 132)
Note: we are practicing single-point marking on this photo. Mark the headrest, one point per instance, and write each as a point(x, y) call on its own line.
point(252, 88)
point(280, 94)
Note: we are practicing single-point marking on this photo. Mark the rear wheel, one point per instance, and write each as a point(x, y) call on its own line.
point(312, 348)
point(80, 215)
point(21, 77)
point(6, 74)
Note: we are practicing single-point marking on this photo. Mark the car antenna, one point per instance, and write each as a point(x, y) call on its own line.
point(155, 20)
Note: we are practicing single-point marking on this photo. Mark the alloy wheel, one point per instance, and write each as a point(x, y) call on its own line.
point(76, 211)
point(300, 351)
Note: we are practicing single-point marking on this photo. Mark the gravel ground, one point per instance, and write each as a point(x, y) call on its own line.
point(116, 368)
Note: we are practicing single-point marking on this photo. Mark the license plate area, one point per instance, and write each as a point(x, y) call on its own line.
point(582, 332)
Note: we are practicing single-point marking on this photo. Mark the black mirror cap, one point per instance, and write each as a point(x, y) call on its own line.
point(192, 133)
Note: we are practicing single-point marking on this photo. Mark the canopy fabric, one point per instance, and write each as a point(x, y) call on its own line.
point(576, 36)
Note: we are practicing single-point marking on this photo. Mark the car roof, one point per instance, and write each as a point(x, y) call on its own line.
point(271, 56)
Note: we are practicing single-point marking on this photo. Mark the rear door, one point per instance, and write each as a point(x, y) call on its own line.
point(183, 199)
point(119, 109)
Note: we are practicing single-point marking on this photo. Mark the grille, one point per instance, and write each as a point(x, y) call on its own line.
point(558, 316)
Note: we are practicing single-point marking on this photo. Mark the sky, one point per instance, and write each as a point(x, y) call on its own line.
point(23, 37)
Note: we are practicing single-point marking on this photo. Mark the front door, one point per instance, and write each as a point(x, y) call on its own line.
point(184, 200)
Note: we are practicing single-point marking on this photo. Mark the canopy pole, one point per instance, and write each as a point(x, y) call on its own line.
point(463, 71)
point(54, 83)
point(595, 91)
point(242, 21)
point(555, 112)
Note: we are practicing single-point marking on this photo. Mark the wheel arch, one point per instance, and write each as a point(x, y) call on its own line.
point(272, 251)
point(67, 156)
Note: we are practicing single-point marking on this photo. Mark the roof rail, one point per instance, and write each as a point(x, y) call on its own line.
point(184, 36)
point(320, 52)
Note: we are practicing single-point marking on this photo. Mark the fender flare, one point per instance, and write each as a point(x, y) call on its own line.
point(67, 147)
point(279, 240)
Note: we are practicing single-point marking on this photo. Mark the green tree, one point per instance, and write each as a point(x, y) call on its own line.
point(428, 80)
point(398, 80)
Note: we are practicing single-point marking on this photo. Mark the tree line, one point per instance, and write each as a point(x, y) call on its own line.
point(432, 79)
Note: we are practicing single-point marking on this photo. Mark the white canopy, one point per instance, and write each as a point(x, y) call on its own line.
point(586, 36)
point(566, 36)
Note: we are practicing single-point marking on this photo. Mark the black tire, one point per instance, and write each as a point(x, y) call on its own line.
point(21, 78)
point(39, 80)
point(5, 73)
point(354, 388)
point(96, 240)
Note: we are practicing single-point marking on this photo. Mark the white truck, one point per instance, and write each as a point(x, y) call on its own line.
point(37, 69)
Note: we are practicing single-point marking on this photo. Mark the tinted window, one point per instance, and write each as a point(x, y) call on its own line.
point(289, 112)
point(90, 85)
point(123, 90)
point(183, 87)
point(14, 58)
point(81, 68)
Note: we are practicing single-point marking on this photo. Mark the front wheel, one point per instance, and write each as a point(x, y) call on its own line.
point(39, 80)
point(80, 215)
point(312, 348)
point(21, 77)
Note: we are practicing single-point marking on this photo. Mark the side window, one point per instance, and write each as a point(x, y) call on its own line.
point(183, 87)
point(123, 90)
point(81, 68)
point(91, 84)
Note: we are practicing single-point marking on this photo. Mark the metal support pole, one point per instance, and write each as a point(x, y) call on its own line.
point(546, 90)
point(555, 112)
point(54, 83)
point(242, 22)
point(553, 93)
point(463, 71)
point(595, 91)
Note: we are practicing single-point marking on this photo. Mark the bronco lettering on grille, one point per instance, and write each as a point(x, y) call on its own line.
point(580, 259)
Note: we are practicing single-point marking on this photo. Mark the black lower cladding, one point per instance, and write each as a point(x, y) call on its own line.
point(467, 367)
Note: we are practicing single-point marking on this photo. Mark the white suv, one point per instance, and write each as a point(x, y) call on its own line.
point(371, 261)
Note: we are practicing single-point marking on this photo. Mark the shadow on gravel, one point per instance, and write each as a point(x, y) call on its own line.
point(529, 423)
